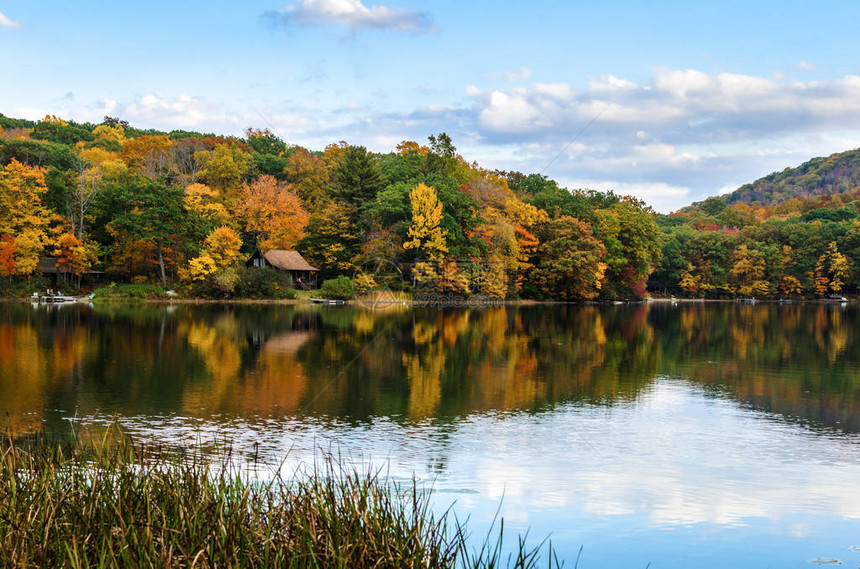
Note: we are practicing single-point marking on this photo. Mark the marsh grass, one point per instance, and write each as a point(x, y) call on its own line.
point(108, 502)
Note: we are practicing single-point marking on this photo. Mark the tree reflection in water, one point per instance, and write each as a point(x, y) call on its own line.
point(352, 364)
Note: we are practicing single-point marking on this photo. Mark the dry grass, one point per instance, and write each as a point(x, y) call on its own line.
point(117, 504)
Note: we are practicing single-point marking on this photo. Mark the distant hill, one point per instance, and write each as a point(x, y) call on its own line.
point(834, 174)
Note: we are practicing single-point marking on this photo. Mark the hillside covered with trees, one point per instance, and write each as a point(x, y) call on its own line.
point(184, 210)
point(834, 174)
point(726, 246)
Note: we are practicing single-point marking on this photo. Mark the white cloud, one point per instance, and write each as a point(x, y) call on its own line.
point(520, 74)
point(7, 24)
point(661, 196)
point(681, 82)
point(680, 104)
point(183, 111)
point(512, 76)
point(153, 110)
point(806, 66)
point(510, 112)
point(354, 15)
point(606, 83)
point(655, 151)
point(684, 129)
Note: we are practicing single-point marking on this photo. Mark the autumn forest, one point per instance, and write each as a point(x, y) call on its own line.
point(185, 210)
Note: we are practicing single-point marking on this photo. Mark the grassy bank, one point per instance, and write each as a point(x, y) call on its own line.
point(94, 504)
point(129, 292)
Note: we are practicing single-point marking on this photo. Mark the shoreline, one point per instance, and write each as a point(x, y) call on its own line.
point(460, 302)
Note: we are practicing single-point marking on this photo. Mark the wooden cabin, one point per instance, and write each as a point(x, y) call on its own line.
point(50, 266)
point(303, 275)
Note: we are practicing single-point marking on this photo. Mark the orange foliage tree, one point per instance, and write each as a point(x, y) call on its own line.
point(72, 254)
point(273, 213)
point(7, 255)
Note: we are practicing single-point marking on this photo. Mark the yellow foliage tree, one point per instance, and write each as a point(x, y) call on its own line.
point(200, 268)
point(109, 132)
point(830, 271)
point(93, 166)
point(22, 214)
point(204, 201)
point(29, 246)
point(791, 285)
point(503, 250)
point(493, 278)
point(223, 246)
point(217, 262)
point(334, 154)
point(425, 234)
point(53, 119)
point(149, 154)
point(308, 176)
point(411, 147)
point(748, 272)
point(223, 169)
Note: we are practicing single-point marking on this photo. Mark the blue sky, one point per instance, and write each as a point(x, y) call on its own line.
point(687, 99)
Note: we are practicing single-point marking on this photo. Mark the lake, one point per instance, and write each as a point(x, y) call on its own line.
point(689, 435)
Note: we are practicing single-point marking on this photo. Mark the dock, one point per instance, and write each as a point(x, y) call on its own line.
point(55, 298)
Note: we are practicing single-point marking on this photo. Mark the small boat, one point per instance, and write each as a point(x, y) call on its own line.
point(327, 301)
point(750, 300)
point(836, 298)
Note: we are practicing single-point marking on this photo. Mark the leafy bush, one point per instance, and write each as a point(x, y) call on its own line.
point(263, 282)
point(118, 291)
point(339, 288)
point(19, 287)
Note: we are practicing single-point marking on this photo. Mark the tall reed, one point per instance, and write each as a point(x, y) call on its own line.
point(111, 503)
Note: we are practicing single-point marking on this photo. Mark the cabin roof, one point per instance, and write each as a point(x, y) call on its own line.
point(287, 260)
point(48, 265)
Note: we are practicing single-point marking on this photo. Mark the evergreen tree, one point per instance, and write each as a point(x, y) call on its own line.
point(359, 178)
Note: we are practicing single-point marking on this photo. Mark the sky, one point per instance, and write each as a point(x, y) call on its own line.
point(671, 102)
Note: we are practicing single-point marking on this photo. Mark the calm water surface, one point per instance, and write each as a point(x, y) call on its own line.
point(696, 435)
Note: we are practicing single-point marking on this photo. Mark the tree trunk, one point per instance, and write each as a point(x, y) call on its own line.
point(80, 234)
point(161, 267)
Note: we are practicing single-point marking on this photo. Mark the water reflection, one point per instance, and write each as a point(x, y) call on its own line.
point(353, 364)
point(729, 427)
